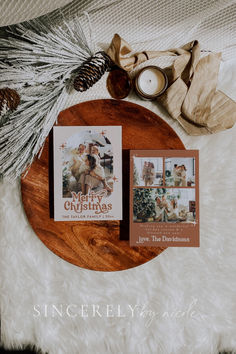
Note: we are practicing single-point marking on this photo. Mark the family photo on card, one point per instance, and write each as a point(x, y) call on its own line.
point(86, 166)
point(148, 172)
point(164, 205)
point(180, 172)
point(87, 173)
point(164, 194)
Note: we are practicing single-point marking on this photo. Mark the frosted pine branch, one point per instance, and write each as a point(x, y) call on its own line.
point(38, 60)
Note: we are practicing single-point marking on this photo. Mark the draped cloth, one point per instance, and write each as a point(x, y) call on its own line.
point(191, 96)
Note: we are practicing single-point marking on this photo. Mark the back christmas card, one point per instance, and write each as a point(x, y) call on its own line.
point(164, 198)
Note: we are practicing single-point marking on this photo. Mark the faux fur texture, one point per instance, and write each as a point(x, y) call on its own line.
point(168, 289)
point(184, 298)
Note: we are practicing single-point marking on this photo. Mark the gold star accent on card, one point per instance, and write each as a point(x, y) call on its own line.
point(103, 132)
point(62, 146)
point(115, 179)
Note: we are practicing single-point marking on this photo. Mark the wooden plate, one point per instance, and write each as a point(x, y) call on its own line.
point(96, 245)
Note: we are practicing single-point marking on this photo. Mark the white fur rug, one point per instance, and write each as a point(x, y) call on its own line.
point(182, 302)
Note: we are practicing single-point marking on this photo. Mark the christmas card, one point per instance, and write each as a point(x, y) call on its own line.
point(87, 173)
point(164, 198)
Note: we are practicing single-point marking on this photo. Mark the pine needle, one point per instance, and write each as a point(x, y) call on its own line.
point(38, 60)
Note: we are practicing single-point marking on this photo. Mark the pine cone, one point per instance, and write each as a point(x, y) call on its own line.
point(9, 100)
point(91, 71)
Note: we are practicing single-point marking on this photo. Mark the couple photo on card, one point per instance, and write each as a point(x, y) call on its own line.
point(179, 172)
point(87, 165)
point(164, 205)
point(87, 173)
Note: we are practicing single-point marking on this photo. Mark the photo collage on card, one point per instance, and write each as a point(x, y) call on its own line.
point(164, 191)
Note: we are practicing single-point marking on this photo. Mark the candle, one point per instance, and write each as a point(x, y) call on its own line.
point(150, 82)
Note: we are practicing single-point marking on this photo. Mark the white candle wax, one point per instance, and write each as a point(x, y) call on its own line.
point(151, 81)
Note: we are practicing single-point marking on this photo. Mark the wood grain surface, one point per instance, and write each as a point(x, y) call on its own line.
point(95, 245)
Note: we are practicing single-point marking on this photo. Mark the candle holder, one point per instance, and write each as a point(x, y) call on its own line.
point(119, 83)
point(150, 82)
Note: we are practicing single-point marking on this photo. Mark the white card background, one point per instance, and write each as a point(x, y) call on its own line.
point(65, 141)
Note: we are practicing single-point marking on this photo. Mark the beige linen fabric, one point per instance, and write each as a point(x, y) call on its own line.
point(151, 25)
point(16, 11)
point(191, 96)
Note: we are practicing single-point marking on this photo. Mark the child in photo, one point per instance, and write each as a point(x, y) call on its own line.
point(78, 160)
point(84, 169)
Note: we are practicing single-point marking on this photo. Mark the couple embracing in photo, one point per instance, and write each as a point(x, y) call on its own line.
point(148, 173)
point(179, 175)
point(87, 170)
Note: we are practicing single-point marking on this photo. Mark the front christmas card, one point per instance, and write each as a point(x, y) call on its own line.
point(87, 173)
point(164, 198)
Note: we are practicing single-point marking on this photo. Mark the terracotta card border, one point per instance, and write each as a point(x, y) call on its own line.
point(188, 230)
